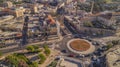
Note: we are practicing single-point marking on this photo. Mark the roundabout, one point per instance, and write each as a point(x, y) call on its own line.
point(80, 46)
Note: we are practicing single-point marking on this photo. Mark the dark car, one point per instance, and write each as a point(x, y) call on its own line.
point(100, 50)
point(78, 56)
point(104, 48)
point(71, 55)
point(77, 36)
point(64, 51)
point(98, 53)
point(55, 3)
point(57, 58)
point(89, 39)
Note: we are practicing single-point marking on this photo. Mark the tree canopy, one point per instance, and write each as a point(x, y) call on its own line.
point(42, 58)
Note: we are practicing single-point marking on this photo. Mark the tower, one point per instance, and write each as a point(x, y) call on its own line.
point(24, 31)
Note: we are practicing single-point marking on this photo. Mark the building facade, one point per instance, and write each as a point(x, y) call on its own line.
point(17, 12)
point(8, 4)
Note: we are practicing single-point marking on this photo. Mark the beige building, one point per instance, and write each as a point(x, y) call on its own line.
point(17, 12)
point(82, 1)
point(34, 8)
point(113, 57)
point(68, 1)
point(8, 4)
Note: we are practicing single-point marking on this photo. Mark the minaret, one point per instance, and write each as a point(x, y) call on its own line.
point(24, 31)
point(91, 11)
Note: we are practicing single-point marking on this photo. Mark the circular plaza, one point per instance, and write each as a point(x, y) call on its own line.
point(80, 46)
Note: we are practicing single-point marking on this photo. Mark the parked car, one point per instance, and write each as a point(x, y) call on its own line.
point(71, 55)
point(98, 53)
point(57, 58)
point(64, 51)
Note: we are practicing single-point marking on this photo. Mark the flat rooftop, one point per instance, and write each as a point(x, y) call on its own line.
point(67, 62)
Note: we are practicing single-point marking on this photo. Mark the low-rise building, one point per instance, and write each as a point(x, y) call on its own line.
point(68, 62)
point(6, 18)
point(34, 8)
point(7, 4)
point(17, 12)
point(113, 57)
point(82, 1)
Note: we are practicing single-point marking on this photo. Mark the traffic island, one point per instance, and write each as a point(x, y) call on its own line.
point(80, 46)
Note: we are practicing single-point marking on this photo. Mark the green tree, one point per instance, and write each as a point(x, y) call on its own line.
point(53, 64)
point(88, 24)
point(34, 64)
point(45, 46)
point(108, 1)
point(115, 42)
point(13, 60)
point(42, 58)
point(22, 63)
point(21, 56)
point(109, 46)
point(47, 51)
point(30, 48)
point(20, 2)
point(0, 54)
point(35, 46)
point(19, 60)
